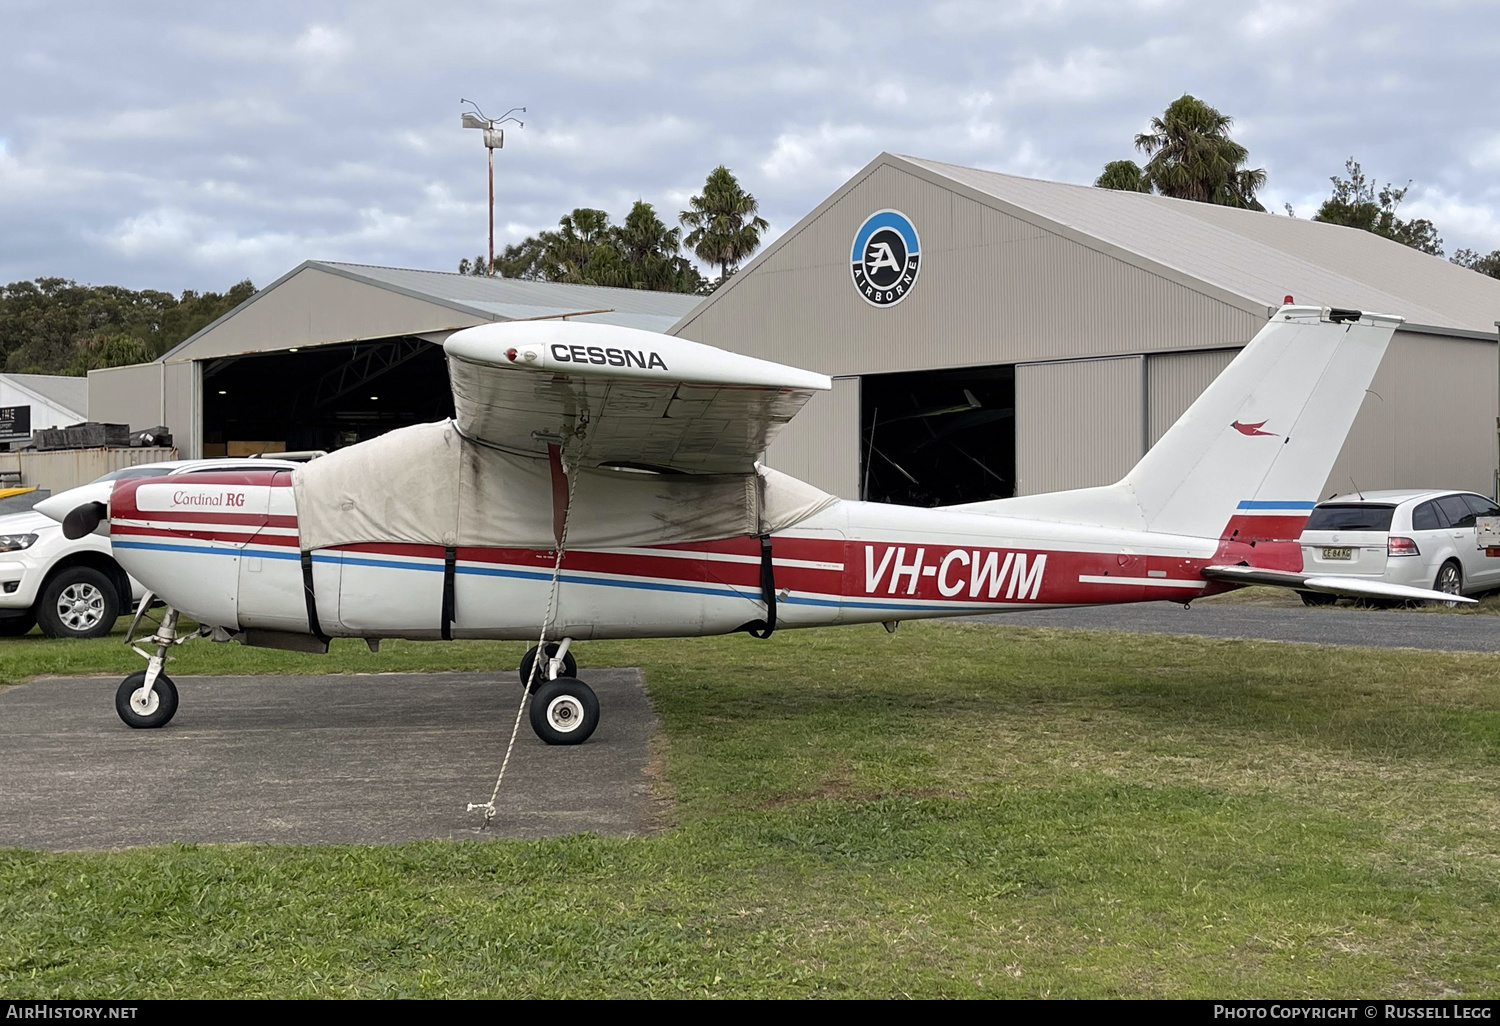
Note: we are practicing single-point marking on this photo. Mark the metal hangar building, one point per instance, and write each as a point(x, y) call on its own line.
point(988, 335)
point(330, 354)
point(991, 335)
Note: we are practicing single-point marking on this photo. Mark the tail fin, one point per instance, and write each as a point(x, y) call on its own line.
point(1254, 448)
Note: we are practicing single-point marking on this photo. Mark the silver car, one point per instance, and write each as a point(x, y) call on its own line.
point(1422, 538)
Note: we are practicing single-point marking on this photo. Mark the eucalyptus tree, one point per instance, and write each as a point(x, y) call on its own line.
point(1356, 203)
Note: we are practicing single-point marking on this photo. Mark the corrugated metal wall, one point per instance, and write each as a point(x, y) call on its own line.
point(1078, 423)
point(60, 469)
point(184, 407)
point(821, 444)
point(127, 395)
point(993, 289)
point(1173, 381)
point(1427, 421)
point(314, 307)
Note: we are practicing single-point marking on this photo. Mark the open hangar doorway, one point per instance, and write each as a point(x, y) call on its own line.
point(936, 438)
point(321, 397)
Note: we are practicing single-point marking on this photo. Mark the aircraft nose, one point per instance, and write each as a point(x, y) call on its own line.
point(63, 505)
point(83, 519)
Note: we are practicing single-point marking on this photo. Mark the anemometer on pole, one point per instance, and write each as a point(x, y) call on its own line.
point(494, 139)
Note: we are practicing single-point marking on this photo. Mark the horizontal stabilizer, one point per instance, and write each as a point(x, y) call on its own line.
point(1328, 584)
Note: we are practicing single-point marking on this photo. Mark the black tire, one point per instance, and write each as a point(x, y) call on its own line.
point(79, 602)
point(1450, 579)
point(15, 626)
point(564, 711)
point(163, 691)
point(569, 667)
point(1317, 598)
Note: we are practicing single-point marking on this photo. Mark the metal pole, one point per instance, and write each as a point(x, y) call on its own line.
point(491, 155)
point(1497, 418)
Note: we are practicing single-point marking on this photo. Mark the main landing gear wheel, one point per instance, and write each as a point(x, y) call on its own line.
point(142, 710)
point(569, 667)
point(1317, 598)
point(564, 711)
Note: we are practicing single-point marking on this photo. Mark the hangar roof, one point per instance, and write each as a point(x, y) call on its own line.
point(307, 307)
point(70, 393)
point(1256, 257)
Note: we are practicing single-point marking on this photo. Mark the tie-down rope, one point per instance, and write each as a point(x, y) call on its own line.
point(541, 654)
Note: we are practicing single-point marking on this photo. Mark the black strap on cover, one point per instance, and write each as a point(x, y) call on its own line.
point(312, 600)
point(450, 564)
point(765, 628)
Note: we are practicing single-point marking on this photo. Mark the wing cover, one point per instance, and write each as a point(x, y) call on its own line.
point(620, 395)
point(429, 485)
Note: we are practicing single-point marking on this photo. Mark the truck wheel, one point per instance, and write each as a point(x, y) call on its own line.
point(79, 602)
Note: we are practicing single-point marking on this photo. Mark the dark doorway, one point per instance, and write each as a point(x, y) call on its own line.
point(936, 438)
point(322, 397)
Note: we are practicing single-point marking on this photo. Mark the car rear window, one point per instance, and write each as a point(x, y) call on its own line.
point(1457, 510)
point(1350, 517)
point(1480, 505)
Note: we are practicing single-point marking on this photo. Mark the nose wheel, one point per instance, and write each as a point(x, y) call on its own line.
point(142, 707)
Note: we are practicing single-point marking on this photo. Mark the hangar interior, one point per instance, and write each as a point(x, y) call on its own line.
point(325, 397)
point(936, 438)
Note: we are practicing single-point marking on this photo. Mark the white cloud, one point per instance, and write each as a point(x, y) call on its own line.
point(144, 147)
point(825, 154)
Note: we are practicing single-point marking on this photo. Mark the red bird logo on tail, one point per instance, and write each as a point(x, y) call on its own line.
point(1252, 429)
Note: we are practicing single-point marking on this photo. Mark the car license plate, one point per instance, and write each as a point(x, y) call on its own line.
point(1338, 553)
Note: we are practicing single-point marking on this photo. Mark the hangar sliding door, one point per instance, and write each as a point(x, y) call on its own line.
point(1078, 422)
point(1174, 380)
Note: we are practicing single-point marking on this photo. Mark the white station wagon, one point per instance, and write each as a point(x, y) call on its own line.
point(1425, 539)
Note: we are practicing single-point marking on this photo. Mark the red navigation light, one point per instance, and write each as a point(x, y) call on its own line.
point(510, 354)
point(1287, 301)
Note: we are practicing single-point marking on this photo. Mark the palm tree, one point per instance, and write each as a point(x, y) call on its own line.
point(1193, 157)
point(1124, 176)
point(724, 228)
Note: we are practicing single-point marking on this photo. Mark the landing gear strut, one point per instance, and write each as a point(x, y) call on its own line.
point(564, 710)
point(148, 698)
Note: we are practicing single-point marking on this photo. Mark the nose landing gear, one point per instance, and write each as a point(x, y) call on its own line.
point(148, 698)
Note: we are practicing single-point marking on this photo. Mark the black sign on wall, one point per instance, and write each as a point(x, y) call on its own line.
point(15, 422)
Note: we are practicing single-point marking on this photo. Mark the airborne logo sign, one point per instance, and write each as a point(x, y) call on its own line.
point(957, 573)
point(886, 258)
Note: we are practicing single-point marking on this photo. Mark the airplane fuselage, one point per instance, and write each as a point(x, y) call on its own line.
point(224, 549)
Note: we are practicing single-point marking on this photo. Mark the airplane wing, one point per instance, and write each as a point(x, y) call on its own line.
point(1331, 584)
point(620, 395)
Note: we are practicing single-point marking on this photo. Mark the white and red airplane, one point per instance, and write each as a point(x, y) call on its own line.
point(601, 482)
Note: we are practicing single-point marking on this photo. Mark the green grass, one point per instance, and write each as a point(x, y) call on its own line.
point(952, 810)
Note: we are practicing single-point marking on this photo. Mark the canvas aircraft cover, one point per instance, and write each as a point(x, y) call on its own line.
point(618, 395)
point(429, 485)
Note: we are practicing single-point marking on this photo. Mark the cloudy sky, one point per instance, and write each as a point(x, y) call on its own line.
point(189, 145)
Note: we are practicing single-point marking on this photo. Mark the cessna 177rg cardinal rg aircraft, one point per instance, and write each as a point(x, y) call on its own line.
point(601, 482)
